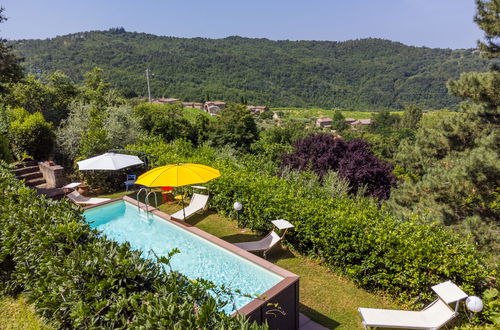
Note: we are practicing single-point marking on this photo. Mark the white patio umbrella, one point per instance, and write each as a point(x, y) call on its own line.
point(109, 161)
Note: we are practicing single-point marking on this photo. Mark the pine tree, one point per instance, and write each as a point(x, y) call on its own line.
point(411, 117)
point(487, 17)
point(456, 160)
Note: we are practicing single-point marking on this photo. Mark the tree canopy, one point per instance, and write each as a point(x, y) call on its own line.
point(455, 161)
point(352, 160)
point(487, 17)
point(10, 68)
point(365, 74)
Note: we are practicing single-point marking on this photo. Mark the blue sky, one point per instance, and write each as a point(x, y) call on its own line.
point(431, 23)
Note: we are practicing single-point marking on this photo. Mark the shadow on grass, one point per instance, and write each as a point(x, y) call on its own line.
point(276, 253)
point(279, 252)
point(199, 217)
point(318, 317)
point(238, 238)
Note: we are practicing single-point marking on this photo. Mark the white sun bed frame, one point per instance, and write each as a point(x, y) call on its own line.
point(198, 203)
point(271, 239)
point(75, 197)
point(432, 317)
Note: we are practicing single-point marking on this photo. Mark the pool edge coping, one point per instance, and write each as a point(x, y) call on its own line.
point(253, 306)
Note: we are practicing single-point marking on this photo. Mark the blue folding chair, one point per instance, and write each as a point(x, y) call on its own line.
point(130, 181)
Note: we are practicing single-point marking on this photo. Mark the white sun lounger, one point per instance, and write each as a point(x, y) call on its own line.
point(198, 203)
point(432, 317)
point(267, 242)
point(79, 199)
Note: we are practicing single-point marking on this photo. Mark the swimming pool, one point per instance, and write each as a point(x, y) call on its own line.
point(198, 257)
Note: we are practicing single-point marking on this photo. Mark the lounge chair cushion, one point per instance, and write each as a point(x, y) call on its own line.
point(434, 316)
point(198, 203)
point(262, 245)
point(77, 198)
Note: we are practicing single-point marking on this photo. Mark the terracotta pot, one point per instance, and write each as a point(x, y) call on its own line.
point(83, 189)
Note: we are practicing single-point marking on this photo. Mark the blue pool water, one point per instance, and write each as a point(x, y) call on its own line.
point(199, 258)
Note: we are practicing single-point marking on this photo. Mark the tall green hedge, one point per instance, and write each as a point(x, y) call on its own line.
point(350, 234)
point(374, 249)
point(78, 279)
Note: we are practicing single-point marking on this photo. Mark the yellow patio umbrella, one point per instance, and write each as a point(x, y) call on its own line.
point(177, 175)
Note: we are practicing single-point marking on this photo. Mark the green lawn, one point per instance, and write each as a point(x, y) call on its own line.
point(327, 298)
point(16, 313)
point(318, 112)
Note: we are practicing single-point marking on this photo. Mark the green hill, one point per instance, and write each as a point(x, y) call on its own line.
point(367, 74)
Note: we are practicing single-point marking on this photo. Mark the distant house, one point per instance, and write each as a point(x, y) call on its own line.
point(350, 120)
point(324, 122)
point(362, 122)
point(193, 105)
point(257, 108)
point(164, 100)
point(214, 107)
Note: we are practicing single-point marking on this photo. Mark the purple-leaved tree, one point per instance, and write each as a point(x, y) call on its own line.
point(352, 160)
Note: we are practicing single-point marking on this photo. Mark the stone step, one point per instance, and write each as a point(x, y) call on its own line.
point(34, 182)
point(29, 176)
point(26, 163)
point(25, 170)
point(54, 193)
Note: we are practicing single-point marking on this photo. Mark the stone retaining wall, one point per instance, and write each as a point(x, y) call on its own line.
point(53, 174)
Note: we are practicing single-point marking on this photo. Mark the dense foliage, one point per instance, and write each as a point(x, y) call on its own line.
point(80, 280)
point(358, 74)
point(455, 163)
point(5, 153)
point(350, 234)
point(52, 99)
point(166, 121)
point(29, 134)
point(487, 18)
point(235, 128)
point(10, 68)
point(352, 160)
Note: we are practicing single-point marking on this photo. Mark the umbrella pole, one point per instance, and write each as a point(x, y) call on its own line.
point(183, 208)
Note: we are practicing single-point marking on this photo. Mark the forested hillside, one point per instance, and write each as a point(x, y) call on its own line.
point(367, 74)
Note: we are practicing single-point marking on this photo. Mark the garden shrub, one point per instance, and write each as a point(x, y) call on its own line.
point(351, 234)
point(352, 160)
point(79, 279)
point(374, 249)
point(30, 134)
point(5, 153)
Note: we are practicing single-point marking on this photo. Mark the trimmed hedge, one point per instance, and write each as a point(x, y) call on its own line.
point(350, 234)
point(371, 247)
point(78, 279)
